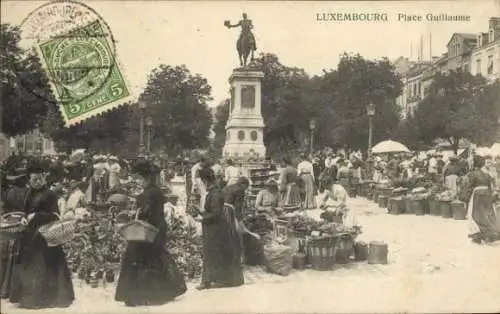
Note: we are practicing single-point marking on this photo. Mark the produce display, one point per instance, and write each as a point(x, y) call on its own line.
point(258, 223)
point(184, 244)
point(97, 248)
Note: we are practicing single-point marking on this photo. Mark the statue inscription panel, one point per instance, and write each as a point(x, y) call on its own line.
point(248, 96)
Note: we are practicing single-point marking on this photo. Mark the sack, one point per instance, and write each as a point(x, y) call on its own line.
point(278, 259)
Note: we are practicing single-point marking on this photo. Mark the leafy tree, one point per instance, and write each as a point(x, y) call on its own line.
point(344, 93)
point(177, 102)
point(459, 106)
point(24, 88)
point(221, 117)
point(336, 99)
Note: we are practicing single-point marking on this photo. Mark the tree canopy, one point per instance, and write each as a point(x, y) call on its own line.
point(337, 100)
point(25, 93)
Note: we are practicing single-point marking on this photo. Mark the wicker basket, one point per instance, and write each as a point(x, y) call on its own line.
point(11, 226)
point(58, 232)
point(321, 252)
point(139, 231)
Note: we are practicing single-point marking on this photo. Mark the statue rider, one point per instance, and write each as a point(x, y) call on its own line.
point(246, 34)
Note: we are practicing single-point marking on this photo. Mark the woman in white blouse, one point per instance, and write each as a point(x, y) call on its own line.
point(306, 173)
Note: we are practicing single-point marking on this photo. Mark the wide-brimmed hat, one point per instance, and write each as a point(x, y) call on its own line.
point(271, 182)
point(37, 166)
point(16, 174)
point(145, 168)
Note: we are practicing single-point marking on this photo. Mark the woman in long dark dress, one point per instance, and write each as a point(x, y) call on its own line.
point(45, 279)
point(221, 241)
point(9, 250)
point(483, 221)
point(149, 275)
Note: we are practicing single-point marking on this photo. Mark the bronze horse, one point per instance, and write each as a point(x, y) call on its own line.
point(245, 46)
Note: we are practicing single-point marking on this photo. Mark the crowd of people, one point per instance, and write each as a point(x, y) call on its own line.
point(36, 275)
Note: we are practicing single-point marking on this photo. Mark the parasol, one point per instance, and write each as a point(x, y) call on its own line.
point(495, 149)
point(389, 147)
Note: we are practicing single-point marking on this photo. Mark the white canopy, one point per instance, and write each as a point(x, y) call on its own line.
point(495, 149)
point(389, 147)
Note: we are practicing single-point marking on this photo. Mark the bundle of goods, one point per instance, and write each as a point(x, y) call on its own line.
point(445, 199)
point(416, 201)
point(278, 258)
point(185, 245)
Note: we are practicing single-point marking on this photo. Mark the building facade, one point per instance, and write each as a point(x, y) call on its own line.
point(33, 143)
point(474, 53)
point(485, 58)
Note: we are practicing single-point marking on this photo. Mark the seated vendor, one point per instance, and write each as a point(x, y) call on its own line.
point(268, 198)
point(337, 196)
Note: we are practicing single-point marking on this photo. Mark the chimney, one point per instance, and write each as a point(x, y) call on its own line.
point(494, 26)
point(494, 23)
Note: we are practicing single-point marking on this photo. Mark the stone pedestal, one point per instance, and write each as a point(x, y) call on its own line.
point(245, 126)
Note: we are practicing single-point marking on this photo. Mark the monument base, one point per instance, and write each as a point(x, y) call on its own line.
point(244, 151)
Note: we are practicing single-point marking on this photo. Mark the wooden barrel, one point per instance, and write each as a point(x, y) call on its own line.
point(459, 211)
point(321, 253)
point(418, 207)
point(396, 205)
point(434, 208)
point(94, 282)
point(377, 253)
point(408, 207)
point(382, 201)
point(445, 208)
point(360, 251)
point(344, 250)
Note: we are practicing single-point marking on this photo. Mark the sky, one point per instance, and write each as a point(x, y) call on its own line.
point(150, 33)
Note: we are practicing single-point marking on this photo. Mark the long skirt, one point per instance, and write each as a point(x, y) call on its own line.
point(309, 201)
point(291, 195)
point(9, 251)
point(483, 221)
point(451, 183)
point(149, 275)
point(45, 279)
point(222, 251)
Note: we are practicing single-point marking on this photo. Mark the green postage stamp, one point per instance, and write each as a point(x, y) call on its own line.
point(84, 72)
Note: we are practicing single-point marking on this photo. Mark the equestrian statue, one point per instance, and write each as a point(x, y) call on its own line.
point(245, 45)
